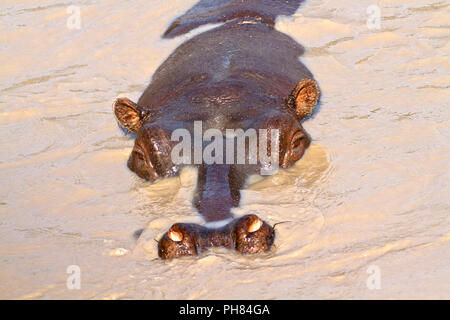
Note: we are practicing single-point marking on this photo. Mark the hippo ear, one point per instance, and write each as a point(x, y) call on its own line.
point(129, 114)
point(304, 97)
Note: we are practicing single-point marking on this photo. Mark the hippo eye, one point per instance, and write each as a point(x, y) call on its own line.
point(297, 140)
point(254, 226)
point(138, 155)
point(175, 236)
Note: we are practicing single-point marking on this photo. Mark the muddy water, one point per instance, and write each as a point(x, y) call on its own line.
point(372, 193)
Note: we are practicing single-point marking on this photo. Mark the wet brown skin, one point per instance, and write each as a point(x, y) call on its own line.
point(195, 239)
point(243, 74)
point(207, 11)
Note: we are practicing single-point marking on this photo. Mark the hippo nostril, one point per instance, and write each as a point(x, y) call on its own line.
point(255, 225)
point(175, 236)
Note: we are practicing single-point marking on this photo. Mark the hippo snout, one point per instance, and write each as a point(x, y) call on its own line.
point(253, 235)
point(247, 235)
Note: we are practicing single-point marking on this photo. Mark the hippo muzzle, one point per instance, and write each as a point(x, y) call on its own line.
point(247, 235)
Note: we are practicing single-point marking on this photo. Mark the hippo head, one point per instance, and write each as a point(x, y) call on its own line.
point(150, 158)
point(218, 188)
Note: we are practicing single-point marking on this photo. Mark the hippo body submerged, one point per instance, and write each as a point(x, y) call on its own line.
point(240, 75)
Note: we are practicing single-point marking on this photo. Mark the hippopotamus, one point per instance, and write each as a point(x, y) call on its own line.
point(242, 74)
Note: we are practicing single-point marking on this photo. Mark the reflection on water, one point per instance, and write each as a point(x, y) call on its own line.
point(371, 190)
